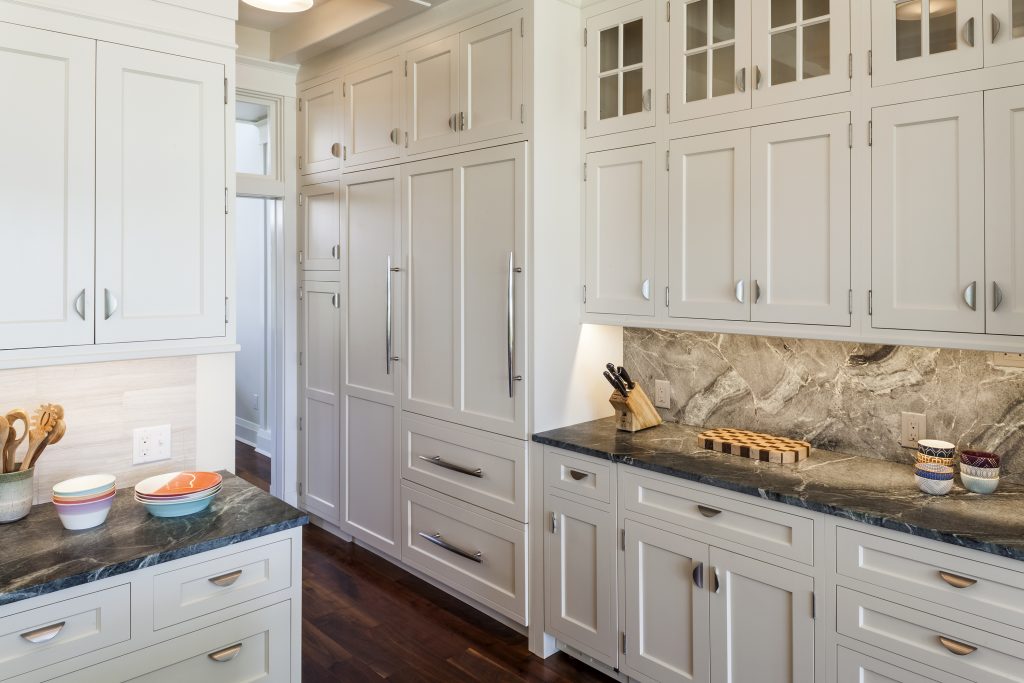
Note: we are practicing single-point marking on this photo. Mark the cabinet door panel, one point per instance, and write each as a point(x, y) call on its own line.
point(46, 187)
point(913, 39)
point(855, 667)
point(320, 234)
point(620, 231)
point(159, 196)
point(800, 221)
point(928, 236)
point(492, 79)
point(370, 478)
point(620, 69)
point(666, 609)
point(709, 226)
point(373, 105)
point(432, 94)
point(1004, 31)
point(320, 128)
point(1004, 212)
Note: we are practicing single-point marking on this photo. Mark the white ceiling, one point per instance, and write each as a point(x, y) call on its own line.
point(267, 21)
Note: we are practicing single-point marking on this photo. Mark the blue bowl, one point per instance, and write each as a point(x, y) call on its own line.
point(189, 507)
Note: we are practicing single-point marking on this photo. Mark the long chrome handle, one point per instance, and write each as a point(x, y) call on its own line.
point(225, 580)
point(44, 634)
point(997, 296)
point(645, 289)
point(757, 78)
point(336, 150)
point(956, 647)
point(647, 99)
point(996, 26)
point(741, 80)
point(967, 32)
point(440, 542)
point(957, 581)
point(757, 291)
point(577, 475)
point(227, 654)
point(511, 341)
point(970, 297)
point(436, 460)
point(698, 575)
point(717, 584)
point(740, 286)
point(388, 341)
point(80, 304)
point(708, 512)
point(109, 304)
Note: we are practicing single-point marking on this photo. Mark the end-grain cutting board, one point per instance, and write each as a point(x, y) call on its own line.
point(763, 447)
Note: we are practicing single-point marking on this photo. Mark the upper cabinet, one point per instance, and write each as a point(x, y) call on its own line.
point(919, 38)
point(620, 69)
point(373, 113)
point(1004, 31)
point(320, 211)
point(320, 144)
point(432, 95)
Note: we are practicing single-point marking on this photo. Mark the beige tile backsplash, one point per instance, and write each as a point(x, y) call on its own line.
point(103, 403)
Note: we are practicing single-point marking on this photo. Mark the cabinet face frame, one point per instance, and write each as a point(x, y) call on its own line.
point(320, 247)
point(429, 84)
point(320, 117)
point(480, 80)
point(373, 98)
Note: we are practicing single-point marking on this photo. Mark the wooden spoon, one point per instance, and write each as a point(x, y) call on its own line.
point(44, 421)
point(53, 437)
point(10, 448)
point(5, 430)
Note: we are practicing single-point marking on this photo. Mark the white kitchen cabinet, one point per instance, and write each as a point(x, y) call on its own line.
point(372, 99)
point(855, 667)
point(1004, 212)
point(620, 69)
point(46, 187)
point(464, 243)
point(762, 621)
point(620, 231)
point(160, 221)
point(800, 221)
point(370, 406)
point(580, 559)
point(320, 209)
point(667, 603)
point(913, 39)
point(491, 82)
point(319, 395)
point(928, 215)
point(432, 95)
point(319, 125)
point(709, 226)
point(1003, 31)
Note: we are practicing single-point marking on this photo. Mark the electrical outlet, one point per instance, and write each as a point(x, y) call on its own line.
point(1008, 360)
point(662, 394)
point(912, 429)
point(151, 444)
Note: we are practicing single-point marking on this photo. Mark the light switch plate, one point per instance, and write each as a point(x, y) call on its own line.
point(912, 429)
point(662, 394)
point(151, 444)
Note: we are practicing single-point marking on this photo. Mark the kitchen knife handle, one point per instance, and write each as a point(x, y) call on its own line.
point(616, 384)
point(511, 347)
point(621, 371)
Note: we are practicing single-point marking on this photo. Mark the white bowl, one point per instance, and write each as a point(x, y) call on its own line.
point(84, 515)
point(979, 472)
point(82, 486)
point(978, 484)
point(935, 487)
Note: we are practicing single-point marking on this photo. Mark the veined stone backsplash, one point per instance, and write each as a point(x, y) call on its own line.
point(839, 396)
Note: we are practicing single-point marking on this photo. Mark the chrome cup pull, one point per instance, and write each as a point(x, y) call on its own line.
point(996, 26)
point(336, 150)
point(740, 293)
point(717, 584)
point(708, 512)
point(441, 543)
point(956, 647)
point(997, 296)
point(967, 32)
point(227, 654)
point(957, 581)
point(757, 291)
point(577, 475)
point(453, 122)
point(80, 304)
point(647, 99)
point(645, 289)
point(741, 80)
point(757, 78)
point(109, 304)
point(393, 136)
point(698, 575)
point(225, 580)
point(44, 634)
point(970, 295)
point(436, 460)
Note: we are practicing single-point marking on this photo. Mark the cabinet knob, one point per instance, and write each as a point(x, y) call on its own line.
point(393, 136)
point(647, 99)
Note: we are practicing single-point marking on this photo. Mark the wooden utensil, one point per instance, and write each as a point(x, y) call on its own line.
point(10, 447)
point(5, 430)
point(44, 422)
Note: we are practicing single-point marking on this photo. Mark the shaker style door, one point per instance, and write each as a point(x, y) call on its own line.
point(620, 69)
point(373, 106)
point(432, 96)
point(320, 209)
point(1003, 27)
point(491, 86)
point(320, 144)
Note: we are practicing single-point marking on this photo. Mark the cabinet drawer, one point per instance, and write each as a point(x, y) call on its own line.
point(919, 636)
point(211, 586)
point(753, 526)
point(586, 477)
point(61, 630)
point(473, 553)
point(477, 467)
point(855, 667)
point(969, 585)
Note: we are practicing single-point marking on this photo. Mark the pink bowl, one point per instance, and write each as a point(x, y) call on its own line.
point(75, 508)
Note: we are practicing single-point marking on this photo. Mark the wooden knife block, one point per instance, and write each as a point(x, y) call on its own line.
point(636, 412)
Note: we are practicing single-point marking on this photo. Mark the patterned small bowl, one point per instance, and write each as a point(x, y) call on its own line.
point(936, 448)
point(979, 459)
point(930, 470)
point(934, 487)
point(980, 472)
point(978, 484)
point(921, 457)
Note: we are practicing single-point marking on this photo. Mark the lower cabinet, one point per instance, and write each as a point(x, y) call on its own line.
point(855, 667)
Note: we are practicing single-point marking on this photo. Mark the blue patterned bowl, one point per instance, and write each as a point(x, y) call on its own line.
point(929, 470)
point(936, 448)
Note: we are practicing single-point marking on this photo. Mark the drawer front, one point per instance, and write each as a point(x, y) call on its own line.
point(855, 667)
point(775, 532)
point(61, 630)
point(213, 585)
point(586, 477)
point(496, 577)
point(967, 585)
point(480, 468)
point(919, 636)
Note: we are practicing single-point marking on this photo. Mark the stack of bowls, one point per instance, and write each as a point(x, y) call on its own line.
point(934, 478)
point(936, 452)
point(979, 471)
point(83, 502)
point(178, 493)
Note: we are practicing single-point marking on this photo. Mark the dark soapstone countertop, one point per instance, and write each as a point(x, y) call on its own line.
point(39, 556)
point(868, 490)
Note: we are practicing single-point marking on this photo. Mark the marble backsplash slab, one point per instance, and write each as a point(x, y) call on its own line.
point(839, 396)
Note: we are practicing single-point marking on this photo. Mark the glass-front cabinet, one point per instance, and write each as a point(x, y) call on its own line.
point(913, 39)
point(620, 69)
point(1004, 31)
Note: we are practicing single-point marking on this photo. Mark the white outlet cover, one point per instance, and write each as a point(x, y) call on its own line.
point(662, 394)
point(151, 444)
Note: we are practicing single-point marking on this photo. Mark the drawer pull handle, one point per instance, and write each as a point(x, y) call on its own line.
point(956, 647)
point(957, 581)
point(45, 634)
point(227, 654)
point(698, 575)
point(708, 512)
point(440, 542)
point(577, 475)
point(717, 584)
point(225, 580)
point(436, 460)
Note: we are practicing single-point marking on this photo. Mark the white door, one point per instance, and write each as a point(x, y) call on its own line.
point(762, 621)
point(710, 57)
point(579, 575)
point(491, 84)
point(928, 215)
point(709, 226)
point(1004, 31)
point(913, 39)
point(160, 196)
point(800, 222)
point(620, 69)
point(370, 407)
point(319, 376)
point(801, 49)
point(320, 128)
point(1004, 210)
point(432, 95)
point(373, 108)
point(620, 225)
point(667, 605)
point(320, 210)
point(46, 187)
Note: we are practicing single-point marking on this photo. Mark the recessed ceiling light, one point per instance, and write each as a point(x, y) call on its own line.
point(281, 5)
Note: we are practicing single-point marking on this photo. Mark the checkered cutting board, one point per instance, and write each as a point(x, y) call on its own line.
point(763, 447)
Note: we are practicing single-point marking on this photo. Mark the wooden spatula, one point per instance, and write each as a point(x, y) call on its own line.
point(5, 430)
point(10, 448)
point(44, 422)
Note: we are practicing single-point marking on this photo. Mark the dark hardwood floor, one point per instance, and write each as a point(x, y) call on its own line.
point(364, 619)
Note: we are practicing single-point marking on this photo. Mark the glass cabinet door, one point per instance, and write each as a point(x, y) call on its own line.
point(710, 63)
point(913, 39)
point(801, 49)
point(620, 70)
point(1004, 31)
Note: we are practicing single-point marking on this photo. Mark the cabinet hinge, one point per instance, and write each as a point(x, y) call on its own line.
point(623, 634)
point(522, 27)
point(343, 89)
point(849, 136)
point(300, 357)
point(584, 172)
point(554, 522)
point(871, 133)
point(225, 90)
point(407, 68)
point(849, 302)
point(667, 160)
point(849, 66)
point(668, 10)
point(300, 104)
point(813, 606)
point(871, 303)
point(622, 539)
point(584, 119)
point(300, 423)
point(522, 113)
point(300, 162)
point(667, 304)
point(301, 256)
point(225, 310)
point(225, 201)
point(584, 294)
point(870, 63)
point(584, 37)
point(668, 103)
point(344, 152)
point(302, 199)
point(301, 294)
